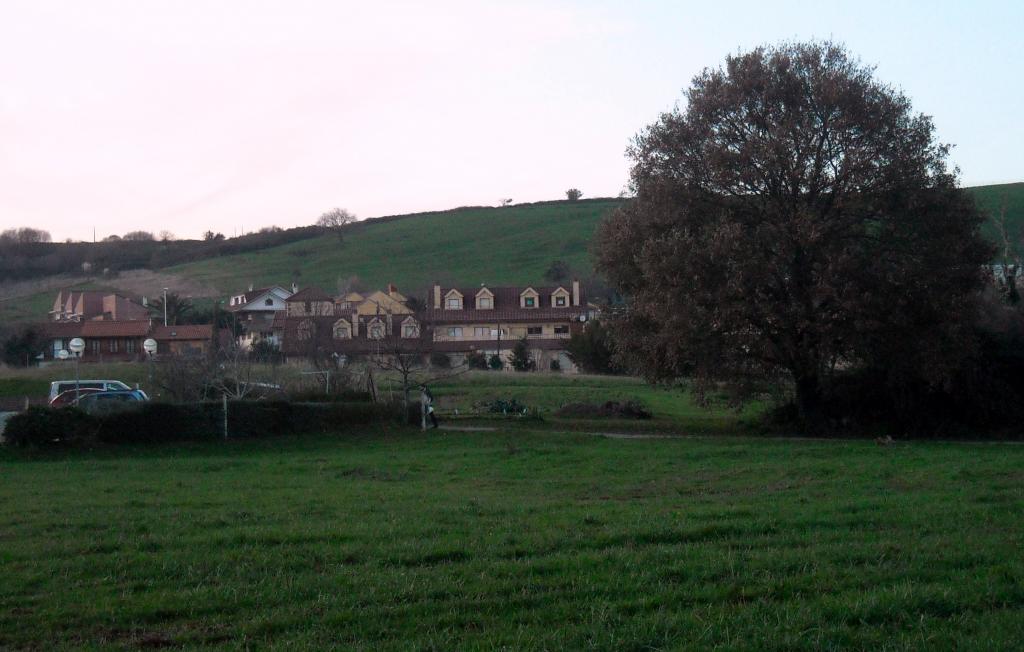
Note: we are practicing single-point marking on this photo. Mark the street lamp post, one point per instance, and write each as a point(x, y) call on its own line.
point(149, 346)
point(77, 346)
point(165, 306)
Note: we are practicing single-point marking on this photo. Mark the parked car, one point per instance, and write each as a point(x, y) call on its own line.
point(65, 399)
point(99, 402)
point(61, 386)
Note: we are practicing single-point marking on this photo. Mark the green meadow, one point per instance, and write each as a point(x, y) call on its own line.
point(514, 539)
point(512, 245)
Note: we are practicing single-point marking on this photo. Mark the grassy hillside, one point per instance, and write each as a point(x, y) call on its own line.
point(481, 245)
point(1009, 197)
point(512, 245)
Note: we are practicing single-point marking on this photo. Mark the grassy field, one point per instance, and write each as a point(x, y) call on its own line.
point(514, 540)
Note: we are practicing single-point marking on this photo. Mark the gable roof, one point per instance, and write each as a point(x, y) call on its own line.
point(310, 293)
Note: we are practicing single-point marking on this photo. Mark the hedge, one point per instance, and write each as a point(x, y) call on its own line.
point(164, 422)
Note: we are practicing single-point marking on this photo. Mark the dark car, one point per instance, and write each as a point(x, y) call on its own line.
point(99, 402)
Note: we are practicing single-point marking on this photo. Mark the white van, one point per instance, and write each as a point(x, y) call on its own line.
point(58, 387)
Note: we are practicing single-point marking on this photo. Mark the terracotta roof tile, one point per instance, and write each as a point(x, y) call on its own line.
point(183, 332)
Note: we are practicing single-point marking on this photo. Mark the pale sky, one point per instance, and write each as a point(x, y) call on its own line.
point(231, 115)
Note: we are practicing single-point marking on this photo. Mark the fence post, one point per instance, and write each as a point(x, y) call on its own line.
point(225, 399)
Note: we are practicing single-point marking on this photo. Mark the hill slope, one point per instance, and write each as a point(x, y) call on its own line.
point(509, 245)
point(512, 245)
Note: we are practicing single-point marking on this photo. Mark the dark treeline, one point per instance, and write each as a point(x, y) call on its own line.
point(23, 261)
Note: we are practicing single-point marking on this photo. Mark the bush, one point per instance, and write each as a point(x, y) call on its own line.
point(476, 360)
point(40, 426)
point(555, 365)
point(165, 422)
point(495, 362)
point(502, 406)
point(607, 410)
point(440, 360)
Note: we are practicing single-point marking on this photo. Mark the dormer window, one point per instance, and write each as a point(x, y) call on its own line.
point(560, 298)
point(529, 298)
point(484, 299)
point(375, 330)
point(342, 331)
point(410, 329)
point(453, 300)
point(268, 302)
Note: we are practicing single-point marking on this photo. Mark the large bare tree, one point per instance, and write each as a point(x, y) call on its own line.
point(794, 217)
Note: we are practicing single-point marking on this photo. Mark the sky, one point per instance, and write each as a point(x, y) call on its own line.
point(232, 115)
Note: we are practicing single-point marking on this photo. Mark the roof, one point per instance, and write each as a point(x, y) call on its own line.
point(570, 313)
point(251, 295)
point(137, 328)
point(310, 294)
point(183, 332)
point(61, 329)
point(324, 337)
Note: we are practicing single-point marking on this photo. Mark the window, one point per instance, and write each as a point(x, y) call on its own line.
point(309, 308)
point(305, 330)
point(484, 303)
point(534, 330)
point(94, 345)
point(560, 301)
point(561, 330)
point(341, 332)
point(529, 302)
point(376, 332)
point(455, 331)
point(454, 303)
point(129, 346)
point(481, 331)
point(268, 302)
point(57, 346)
point(410, 330)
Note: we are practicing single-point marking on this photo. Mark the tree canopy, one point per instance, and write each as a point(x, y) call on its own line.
point(795, 218)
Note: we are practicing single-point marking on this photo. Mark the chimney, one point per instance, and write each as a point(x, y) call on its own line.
point(250, 287)
point(437, 296)
point(295, 288)
point(575, 292)
point(355, 324)
point(392, 289)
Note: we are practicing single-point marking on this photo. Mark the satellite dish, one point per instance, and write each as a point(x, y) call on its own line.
point(63, 354)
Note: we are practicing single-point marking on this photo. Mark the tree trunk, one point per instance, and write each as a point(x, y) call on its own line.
point(809, 403)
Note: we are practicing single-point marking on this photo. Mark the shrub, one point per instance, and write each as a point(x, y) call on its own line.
point(521, 358)
point(40, 426)
point(476, 360)
point(495, 362)
point(607, 410)
point(440, 360)
point(555, 365)
point(164, 422)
